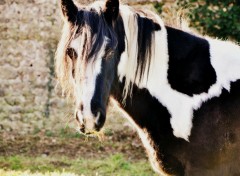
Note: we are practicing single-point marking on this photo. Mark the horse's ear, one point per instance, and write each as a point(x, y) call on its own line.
point(111, 10)
point(69, 10)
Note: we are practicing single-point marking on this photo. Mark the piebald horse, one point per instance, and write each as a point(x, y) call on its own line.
point(180, 90)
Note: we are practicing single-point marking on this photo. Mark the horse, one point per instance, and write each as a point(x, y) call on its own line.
point(180, 90)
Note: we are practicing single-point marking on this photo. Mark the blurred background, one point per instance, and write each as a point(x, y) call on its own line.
point(37, 135)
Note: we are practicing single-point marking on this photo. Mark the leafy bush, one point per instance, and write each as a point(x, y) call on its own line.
point(219, 18)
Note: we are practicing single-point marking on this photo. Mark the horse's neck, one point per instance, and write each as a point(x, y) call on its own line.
point(143, 109)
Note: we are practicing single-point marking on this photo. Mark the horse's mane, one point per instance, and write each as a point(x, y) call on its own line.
point(63, 64)
point(140, 28)
point(143, 28)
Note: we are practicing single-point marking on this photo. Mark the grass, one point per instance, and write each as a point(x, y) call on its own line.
point(65, 152)
point(116, 165)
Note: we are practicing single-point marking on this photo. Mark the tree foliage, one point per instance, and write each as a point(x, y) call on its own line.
point(219, 18)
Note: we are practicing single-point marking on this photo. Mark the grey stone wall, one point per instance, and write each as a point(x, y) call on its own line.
point(29, 31)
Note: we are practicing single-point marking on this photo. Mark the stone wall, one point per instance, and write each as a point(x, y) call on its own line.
point(29, 31)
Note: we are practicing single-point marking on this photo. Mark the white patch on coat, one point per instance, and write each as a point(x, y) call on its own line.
point(85, 81)
point(146, 140)
point(225, 58)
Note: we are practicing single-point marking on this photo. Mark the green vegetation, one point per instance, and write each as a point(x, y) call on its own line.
point(65, 152)
point(66, 132)
point(212, 17)
point(111, 165)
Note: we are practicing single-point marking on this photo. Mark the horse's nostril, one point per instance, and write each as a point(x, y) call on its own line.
point(82, 128)
point(79, 118)
point(81, 107)
point(76, 117)
point(100, 120)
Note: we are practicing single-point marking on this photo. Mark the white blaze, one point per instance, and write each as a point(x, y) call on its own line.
point(85, 81)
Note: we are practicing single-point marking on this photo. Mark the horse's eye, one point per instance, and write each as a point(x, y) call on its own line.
point(109, 52)
point(71, 53)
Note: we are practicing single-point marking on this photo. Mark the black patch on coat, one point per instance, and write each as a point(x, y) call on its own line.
point(146, 38)
point(190, 70)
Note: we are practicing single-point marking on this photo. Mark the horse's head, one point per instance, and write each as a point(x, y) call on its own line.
point(85, 60)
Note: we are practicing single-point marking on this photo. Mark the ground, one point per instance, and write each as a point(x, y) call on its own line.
point(65, 152)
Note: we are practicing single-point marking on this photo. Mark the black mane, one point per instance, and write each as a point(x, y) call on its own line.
point(146, 38)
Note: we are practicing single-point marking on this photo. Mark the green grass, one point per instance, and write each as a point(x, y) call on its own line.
point(115, 165)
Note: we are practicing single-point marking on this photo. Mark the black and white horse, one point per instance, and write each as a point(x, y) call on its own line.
point(180, 90)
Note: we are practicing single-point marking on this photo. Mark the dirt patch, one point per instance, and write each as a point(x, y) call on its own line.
point(39, 144)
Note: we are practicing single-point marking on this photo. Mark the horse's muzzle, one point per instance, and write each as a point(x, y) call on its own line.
point(92, 123)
